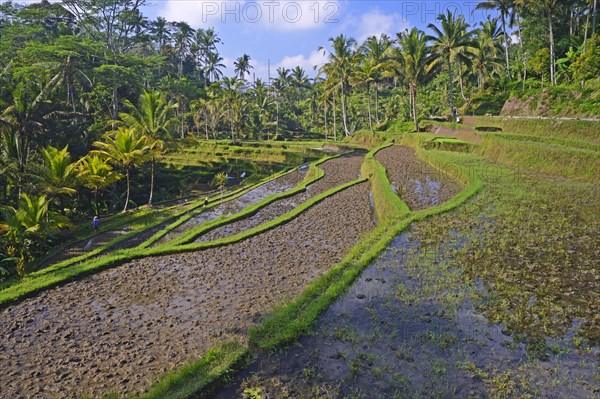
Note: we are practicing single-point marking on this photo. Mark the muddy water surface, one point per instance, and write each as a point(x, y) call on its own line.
point(418, 184)
point(253, 196)
point(395, 335)
point(337, 171)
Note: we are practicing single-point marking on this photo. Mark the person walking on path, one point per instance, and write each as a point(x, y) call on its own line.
point(95, 224)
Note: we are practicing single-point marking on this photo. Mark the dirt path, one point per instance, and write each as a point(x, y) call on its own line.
point(119, 330)
point(419, 184)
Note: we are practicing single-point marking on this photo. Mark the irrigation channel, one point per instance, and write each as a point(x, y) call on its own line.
point(119, 330)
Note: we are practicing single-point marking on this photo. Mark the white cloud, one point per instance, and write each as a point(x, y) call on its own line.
point(281, 15)
point(374, 23)
point(316, 58)
point(194, 12)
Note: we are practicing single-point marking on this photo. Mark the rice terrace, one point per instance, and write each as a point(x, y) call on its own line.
point(374, 200)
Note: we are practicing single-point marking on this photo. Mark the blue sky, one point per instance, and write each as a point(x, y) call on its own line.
point(289, 33)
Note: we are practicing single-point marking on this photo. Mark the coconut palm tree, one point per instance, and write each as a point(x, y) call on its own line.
point(261, 106)
point(414, 62)
point(9, 160)
point(22, 117)
point(548, 6)
point(377, 50)
point(280, 85)
point(452, 45)
point(206, 40)
point(242, 66)
point(151, 119)
point(364, 76)
point(505, 8)
point(182, 40)
point(96, 174)
point(161, 33)
point(57, 176)
point(338, 68)
point(199, 109)
point(212, 68)
point(489, 35)
point(126, 148)
point(484, 60)
point(231, 98)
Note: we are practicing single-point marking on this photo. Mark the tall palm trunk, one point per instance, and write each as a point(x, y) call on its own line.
point(369, 109)
point(127, 175)
point(518, 18)
point(334, 121)
point(451, 88)
point(460, 82)
point(552, 55)
point(377, 104)
point(206, 123)
point(114, 107)
point(326, 124)
point(413, 101)
point(276, 119)
point(22, 159)
point(344, 115)
point(152, 167)
point(594, 17)
point(505, 44)
point(231, 124)
point(587, 24)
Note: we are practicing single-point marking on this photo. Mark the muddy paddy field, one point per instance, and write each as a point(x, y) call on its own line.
point(119, 330)
point(491, 300)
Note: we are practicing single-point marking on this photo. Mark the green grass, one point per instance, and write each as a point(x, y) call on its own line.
point(573, 129)
point(387, 204)
point(551, 140)
point(542, 157)
point(448, 144)
point(204, 375)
